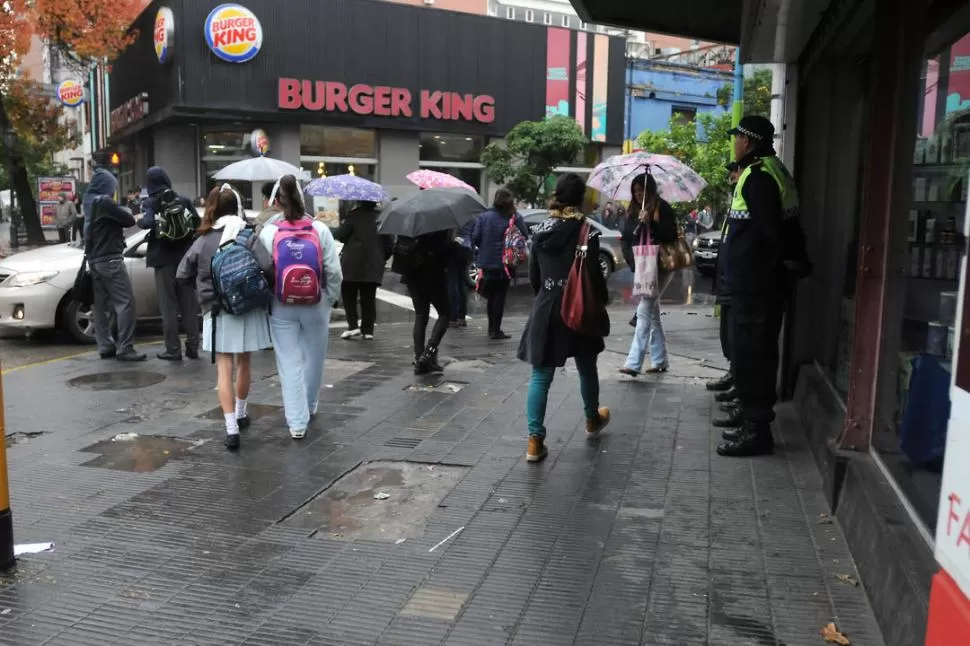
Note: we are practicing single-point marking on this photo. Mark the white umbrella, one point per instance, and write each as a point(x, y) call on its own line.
point(258, 169)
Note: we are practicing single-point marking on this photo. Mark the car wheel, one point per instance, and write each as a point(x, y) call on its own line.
point(606, 265)
point(78, 320)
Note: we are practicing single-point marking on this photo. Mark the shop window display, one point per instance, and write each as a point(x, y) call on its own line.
point(219, 149)
point(327, 141)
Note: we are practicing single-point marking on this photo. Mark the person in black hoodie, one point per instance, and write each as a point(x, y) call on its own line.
point(546, 342)
point(175, 298)
point(104, 247)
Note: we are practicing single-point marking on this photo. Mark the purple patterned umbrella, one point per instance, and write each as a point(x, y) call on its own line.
point(347, 187)
point(676, 181)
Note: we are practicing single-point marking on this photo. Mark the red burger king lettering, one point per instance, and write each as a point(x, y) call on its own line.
point(383, 101)
point(230, 31)
point(72, 93)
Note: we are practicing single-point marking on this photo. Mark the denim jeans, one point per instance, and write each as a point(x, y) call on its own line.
point(649, 332)
point(589, 388)
point(300, 336)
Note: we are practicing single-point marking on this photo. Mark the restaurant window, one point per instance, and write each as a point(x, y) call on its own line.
point(683, 115)
point(530, 15)
point(565, 21)
point(547, 18)
point(219, 149)
point(913, 453)
point(457, 155)
point(510, 13)
point(327, 151)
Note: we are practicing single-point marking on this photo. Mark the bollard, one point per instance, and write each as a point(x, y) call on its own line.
point(6, 518)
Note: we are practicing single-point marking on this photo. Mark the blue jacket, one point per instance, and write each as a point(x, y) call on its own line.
point(488, 236)
point(162, 253)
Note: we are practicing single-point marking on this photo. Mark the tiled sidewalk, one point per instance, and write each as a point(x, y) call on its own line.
point(643, 536)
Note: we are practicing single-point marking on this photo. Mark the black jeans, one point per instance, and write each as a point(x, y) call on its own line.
point(495, 288)
point(349, 292)
point(755, 323)
point(458, 289)
point(77, 229)
point(64, 233)
point(427, 290)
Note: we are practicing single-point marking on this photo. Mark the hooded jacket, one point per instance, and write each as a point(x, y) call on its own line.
point(162, 253)
point(104, 221)
point(488, 235)
point(547, 341)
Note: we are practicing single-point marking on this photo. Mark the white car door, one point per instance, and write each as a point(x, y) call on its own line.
point(142, 277)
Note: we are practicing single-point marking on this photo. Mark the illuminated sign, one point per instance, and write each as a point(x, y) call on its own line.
point(164, 34)
point(70, 93)
point(132, 110)
point(259, 141)
point(384, 101)
point(233, 33)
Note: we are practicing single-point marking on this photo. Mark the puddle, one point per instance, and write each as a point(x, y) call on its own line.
point(448, 387)
point(15, 439)
point(136, 453)
point(471, 365)
point(118, 380)
point(355, 508)
point(255, 411)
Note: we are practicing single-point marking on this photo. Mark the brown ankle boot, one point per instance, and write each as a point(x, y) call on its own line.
point(537, 449)
point(594, 426)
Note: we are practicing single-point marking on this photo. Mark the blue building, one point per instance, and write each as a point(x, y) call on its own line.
point(657, 90)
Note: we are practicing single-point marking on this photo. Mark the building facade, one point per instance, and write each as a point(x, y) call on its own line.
point(403, 101)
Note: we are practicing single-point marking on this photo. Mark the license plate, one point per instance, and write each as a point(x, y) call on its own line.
point(706, 255)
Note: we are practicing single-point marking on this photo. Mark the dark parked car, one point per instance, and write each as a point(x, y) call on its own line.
point(705, 247)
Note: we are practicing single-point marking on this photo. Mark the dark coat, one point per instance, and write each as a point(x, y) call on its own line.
point(365, 252)
point(105, 221)
point(162, 253)
point(546, 341)
point(488, 236)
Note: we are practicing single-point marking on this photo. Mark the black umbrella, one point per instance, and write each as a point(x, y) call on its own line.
point(435, 209)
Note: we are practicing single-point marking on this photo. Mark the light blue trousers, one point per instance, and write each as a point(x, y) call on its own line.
point(300, 337)
point(649, 333)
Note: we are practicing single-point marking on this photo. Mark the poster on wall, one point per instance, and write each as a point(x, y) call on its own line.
point(49, 191)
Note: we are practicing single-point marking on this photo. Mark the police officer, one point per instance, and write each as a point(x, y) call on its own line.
point(758, 255)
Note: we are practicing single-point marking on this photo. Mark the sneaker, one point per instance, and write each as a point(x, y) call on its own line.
point(243, 422)
point(720, 385)
point(594, 426)
point(169, 356)
point(130, 356)
point(350, 334)
point(232, 441)
point(368, 337)
point(191, 353)
point(537, 451)
point(298, 433)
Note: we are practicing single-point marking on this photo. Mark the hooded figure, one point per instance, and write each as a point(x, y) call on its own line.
point(104, 247)
point(547, 342)
point(175, 298)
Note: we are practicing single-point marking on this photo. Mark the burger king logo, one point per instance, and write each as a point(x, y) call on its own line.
point(259, 141)
point(70, 93)
point(233, 33)
point(164, 34)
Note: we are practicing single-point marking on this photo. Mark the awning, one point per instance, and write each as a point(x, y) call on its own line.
point(709, 20)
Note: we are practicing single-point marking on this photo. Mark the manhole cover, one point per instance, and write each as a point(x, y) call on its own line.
point(255, 411)
point(137, 453)
point(21, 438)
point(381, 501)
point(449, 387)
point(119, 380)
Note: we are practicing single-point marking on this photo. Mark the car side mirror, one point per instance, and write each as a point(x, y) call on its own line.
point(140, 250)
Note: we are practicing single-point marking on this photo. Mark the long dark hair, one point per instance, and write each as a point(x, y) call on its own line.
point(218, 203)
point(650, 195)
point(290, 199)
point(504, 203)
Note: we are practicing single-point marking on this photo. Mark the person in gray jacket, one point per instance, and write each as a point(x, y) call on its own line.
point(104, 247)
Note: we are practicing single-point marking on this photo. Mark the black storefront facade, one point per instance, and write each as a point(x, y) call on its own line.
point(363, 86)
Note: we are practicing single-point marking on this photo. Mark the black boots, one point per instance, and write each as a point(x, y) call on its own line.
point(427, 363)
point(753, 438)
point(726, 395)
point(733, 419)
point(720, 385)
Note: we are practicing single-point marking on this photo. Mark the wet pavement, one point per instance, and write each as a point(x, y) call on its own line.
point(642, 536)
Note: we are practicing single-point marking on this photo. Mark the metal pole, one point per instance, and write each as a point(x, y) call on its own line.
point(737, 109)
point(6, 518)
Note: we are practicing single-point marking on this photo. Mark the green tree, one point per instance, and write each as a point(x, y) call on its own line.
point(531, 151)
point(757, 94)
point(703, 146)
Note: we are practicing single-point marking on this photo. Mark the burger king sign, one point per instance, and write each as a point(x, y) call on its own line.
point(70, 93)
point(233, 33)
point(164, 34)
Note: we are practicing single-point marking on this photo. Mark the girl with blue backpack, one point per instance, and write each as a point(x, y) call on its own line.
point(223, 263)
point(306, 278)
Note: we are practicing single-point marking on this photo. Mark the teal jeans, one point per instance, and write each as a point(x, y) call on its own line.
point(589, 388)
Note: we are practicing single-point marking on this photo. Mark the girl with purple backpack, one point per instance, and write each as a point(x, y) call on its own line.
point(307, 277)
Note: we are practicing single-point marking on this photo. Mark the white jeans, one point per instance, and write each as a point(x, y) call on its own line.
point(300, 337)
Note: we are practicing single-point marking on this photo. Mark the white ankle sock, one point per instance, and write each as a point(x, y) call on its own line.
point(242, 407)
point(232, 426)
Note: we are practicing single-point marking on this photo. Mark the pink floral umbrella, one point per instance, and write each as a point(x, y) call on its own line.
point(433, 179)
point(676, 182)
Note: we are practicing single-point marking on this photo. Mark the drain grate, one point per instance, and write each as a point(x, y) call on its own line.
point(403, 442)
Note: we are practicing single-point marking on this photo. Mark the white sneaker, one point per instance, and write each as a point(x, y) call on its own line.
point(350, 334)
point(298, 433)
point(368, 337)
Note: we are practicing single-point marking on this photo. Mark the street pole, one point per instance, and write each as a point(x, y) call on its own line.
point(737, 109)
point(6, 518)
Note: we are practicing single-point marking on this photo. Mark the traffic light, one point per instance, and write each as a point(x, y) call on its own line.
point(115, 160)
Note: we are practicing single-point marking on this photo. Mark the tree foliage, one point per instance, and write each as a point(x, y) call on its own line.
point(531, 151)
point(757, 94)
point(703, 146)
point(80, 31)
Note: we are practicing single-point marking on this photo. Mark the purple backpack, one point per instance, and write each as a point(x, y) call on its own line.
point(298, 259)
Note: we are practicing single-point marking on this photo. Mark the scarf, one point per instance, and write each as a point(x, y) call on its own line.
point(230, 225)
point(568, 213)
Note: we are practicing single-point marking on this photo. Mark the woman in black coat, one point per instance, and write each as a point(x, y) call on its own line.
point(362, 261)
point(547, 342)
